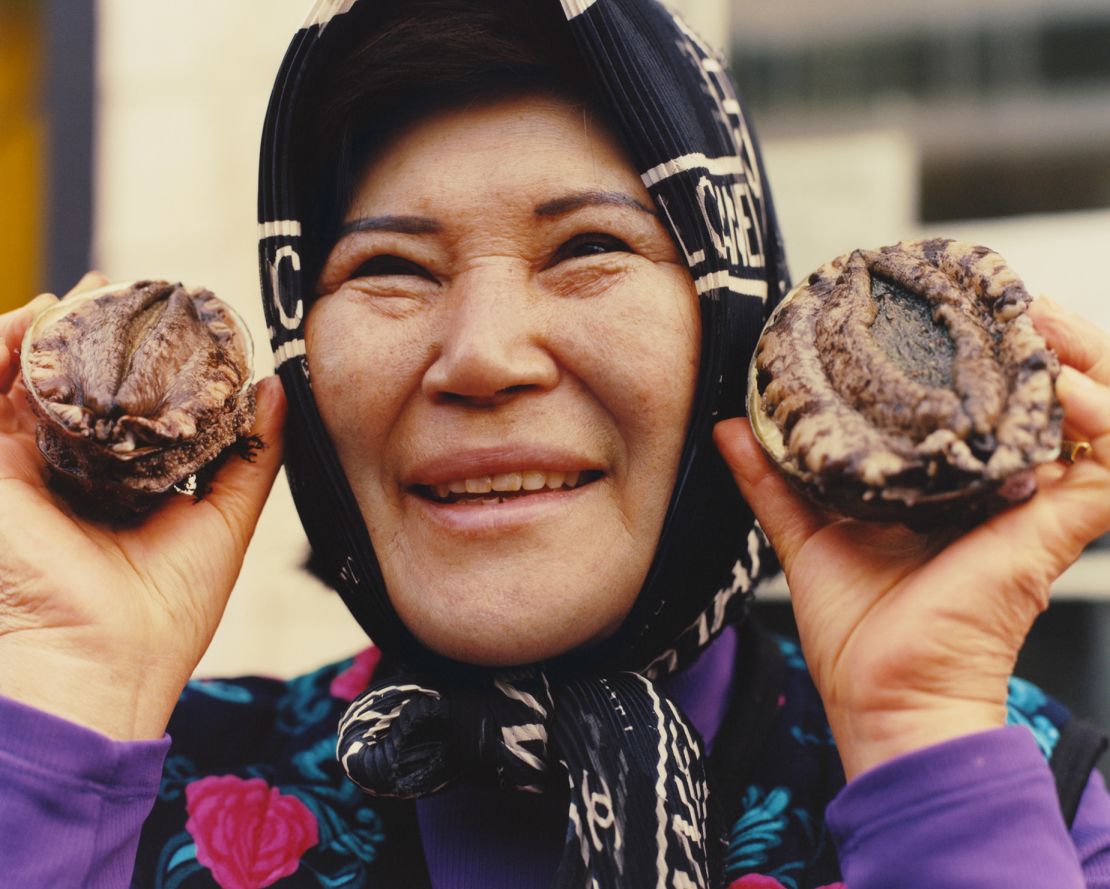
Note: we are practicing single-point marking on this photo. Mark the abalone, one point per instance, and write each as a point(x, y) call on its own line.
point(136, 388)
point(907, 384)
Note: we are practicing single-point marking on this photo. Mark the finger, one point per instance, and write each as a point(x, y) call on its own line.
point(1073, 505)
point(13, 325)
point(89, 281)
point(1079, 342)
point(1086, 405)
point(7, 367)
point(16, 414)
point(1048, 474)
point(240, 487)
point(788, 519)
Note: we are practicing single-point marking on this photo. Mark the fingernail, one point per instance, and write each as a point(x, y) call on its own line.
point(269, 391)
point(41, 302)
point(1073, 379)
point(264, 392)
point(93, 277)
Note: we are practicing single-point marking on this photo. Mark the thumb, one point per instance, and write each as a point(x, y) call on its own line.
point(787, 518)
point(239, 489)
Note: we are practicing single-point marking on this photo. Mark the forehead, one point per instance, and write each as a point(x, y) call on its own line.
point(524, 149)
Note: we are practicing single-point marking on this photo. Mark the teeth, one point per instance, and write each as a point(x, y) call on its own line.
point(533, 480)
point(507, 482)
point(481, 485)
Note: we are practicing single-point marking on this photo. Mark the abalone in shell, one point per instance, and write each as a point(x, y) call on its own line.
point(136, 388)
point(907, 384)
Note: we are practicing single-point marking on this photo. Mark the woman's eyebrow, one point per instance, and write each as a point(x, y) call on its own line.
point(567, 203)
point(404, 225)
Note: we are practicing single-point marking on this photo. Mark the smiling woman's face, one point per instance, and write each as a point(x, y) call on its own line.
point(504, 354)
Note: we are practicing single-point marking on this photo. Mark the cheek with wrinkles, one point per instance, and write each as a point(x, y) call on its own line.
point(589, 280)
point(353, 360)
point(638, 369)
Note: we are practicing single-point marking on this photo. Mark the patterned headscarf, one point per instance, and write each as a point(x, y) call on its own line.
point(638, 809)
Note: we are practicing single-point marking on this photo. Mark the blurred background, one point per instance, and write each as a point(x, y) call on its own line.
point(129, 132)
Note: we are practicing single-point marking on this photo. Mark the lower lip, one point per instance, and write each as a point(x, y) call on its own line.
point(492, 518)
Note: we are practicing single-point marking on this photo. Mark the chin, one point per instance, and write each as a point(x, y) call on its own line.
point(490, 637)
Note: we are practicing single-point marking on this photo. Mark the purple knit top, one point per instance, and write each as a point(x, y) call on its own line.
point(977, 811)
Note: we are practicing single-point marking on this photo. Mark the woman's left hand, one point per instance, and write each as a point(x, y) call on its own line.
point(911, 638)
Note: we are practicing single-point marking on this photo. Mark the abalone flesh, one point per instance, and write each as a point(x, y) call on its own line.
point(136, 387)
point(907, 384)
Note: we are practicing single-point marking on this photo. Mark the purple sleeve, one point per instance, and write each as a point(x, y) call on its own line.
point(72, 801)
point(1091, 832)
point(977, 811)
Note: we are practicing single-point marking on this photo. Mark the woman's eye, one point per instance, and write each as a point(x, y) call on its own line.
point(383, 265)
point(592, 244)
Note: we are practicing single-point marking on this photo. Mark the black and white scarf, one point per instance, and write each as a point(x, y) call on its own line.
point(634, 768)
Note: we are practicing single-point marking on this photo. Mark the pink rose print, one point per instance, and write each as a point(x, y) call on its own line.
point(833, 886)
point(248, 834)
point(756, 881)
point(356, 677)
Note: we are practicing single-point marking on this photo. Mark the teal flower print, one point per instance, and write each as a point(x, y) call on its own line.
point(759, 829)
point(1022, 708)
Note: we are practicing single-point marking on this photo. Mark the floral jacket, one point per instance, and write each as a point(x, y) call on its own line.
point(252, 794)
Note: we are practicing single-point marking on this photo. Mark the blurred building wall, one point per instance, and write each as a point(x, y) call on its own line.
point(1007, 102)
point(799, 20)
point(709, 18)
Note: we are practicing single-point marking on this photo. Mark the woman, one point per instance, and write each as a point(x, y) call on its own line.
point(513, 267)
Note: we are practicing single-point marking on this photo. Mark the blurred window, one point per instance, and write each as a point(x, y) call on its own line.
point(1074, 53)
point(1010, 115)
point(925, 65)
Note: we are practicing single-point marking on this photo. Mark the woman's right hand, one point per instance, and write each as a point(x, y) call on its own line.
point(100, 624)
point(911, 638)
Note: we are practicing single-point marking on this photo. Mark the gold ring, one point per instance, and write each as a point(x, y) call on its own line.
point(1073, 451)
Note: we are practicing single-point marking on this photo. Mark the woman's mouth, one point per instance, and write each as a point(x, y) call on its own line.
point(504, 486)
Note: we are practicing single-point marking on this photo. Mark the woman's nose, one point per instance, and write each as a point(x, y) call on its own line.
point(493, 342)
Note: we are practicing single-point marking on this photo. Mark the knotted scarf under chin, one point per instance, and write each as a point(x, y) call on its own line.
point(634, 767)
